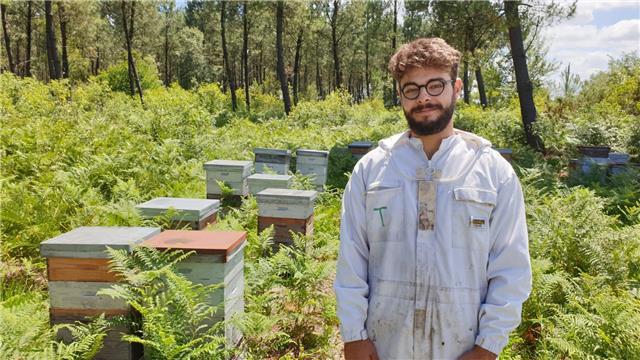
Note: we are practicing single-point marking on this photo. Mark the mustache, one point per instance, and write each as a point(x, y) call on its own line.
point(426, 106)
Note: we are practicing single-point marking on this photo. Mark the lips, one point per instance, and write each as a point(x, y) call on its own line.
point(425, 109)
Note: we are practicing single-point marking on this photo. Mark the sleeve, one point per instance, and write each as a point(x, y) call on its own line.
point(508, 269)
point(351, 285)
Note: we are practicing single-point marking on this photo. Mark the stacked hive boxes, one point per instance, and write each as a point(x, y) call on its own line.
point(288, 210)
point(259, 182)
point(359, 148)
point(274, 159)
point(313, 163)
point(196, 213)
point(233, 173)
point(219, 259)
point(78, 267)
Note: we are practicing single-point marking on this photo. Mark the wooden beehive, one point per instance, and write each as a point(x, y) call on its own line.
point(359, 148)
point(259, 182)
point(196, 213)
point(218, 259)
point(315, 164)
point(233, 173)
point(77, 268)
point(274, 159)
point(288, 210)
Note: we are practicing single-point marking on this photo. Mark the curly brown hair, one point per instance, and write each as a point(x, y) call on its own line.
point(423, 53)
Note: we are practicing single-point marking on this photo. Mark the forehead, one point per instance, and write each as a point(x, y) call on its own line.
point(422, 75)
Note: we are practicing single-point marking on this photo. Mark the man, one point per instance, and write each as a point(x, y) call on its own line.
point(434, 260)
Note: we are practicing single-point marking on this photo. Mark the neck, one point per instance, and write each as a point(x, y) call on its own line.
point(431, 143)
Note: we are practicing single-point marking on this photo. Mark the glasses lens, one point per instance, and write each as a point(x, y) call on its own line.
point(435, 87)
point(411, 91)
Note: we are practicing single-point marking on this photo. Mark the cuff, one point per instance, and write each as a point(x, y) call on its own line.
point(491, 345)
point(353, 335)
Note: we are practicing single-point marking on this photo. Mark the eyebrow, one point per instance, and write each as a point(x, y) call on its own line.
point(413, 83)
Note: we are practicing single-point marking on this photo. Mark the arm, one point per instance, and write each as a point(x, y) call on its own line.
point(351, 284)
point(508, 269)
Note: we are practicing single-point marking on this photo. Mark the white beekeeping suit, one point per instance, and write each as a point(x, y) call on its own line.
point(434, 293)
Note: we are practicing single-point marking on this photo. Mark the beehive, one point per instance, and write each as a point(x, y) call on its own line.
point(259, 182)
point(78, 267)
point(195, 213)
point(274, 159)
point(233, 173)
point(288, 210)
point(359, 148)
point(313, 163)
point(218, 259)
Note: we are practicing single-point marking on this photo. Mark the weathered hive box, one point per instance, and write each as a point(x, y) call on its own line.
point(359, 148)
point(196, 213)
point(275, 159)
point(78, 267)
point(259, 182)
point(218, 259)
point(618, 163)
point(313, 163)
point(506, 153)
point(233, 173)
point(287, 210)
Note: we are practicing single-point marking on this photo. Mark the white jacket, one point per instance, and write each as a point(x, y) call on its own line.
point(432, 294)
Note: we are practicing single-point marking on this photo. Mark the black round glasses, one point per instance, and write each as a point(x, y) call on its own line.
point(434, 87)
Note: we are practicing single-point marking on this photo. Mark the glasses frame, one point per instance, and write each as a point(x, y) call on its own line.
point(426, 88)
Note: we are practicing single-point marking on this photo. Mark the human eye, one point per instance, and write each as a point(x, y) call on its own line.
point(411, 90)
point(436, 85)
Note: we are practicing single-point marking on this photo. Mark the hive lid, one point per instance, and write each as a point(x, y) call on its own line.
point(265, 151)
point(504, 150)
point(202, 242)
point(361, 144)
point(92, 241)
point(229, 165)
point(272, 194)
point(270, 177)
point(315, 153)
point(185, 209)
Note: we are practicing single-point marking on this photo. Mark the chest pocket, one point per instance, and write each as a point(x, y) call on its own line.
point(384, 206)
point(471, 216)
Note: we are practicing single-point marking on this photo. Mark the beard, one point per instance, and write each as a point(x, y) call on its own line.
point(430, 127)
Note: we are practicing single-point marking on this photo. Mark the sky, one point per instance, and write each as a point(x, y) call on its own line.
point(599, 30)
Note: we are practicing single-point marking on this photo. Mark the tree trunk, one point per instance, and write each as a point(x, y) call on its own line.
point(465, 82)
point(280, 57)
point(27, 63)
point(393, 46)
point(134, 80)
point(167, 81)
point(319, 80)
point(63, 35)
point(245, 53)
point(52, 50)
point(481, 91)
point(7, 40)
point(97, 68)
point(334, 44)
point(296, 67)
point(225, 55)
point(366, 67)
point(523, 82)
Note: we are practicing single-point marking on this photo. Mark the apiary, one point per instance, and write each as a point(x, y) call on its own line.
point(259, 182)
point(287, 210)
point(276, 160)
point(195, 213)
point(77, 268)
point(313, 163)
point(233, 173)
point(359, 148)
point(218, 259)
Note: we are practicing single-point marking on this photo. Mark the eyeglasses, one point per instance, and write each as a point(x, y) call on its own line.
point(434, 87)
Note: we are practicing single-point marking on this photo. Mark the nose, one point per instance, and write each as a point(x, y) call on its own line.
point(423, 95)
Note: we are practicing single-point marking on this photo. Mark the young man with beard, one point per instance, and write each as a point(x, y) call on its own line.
point(434, 260)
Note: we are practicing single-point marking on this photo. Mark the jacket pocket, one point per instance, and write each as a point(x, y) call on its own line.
point(384, 214)
point(471, 217)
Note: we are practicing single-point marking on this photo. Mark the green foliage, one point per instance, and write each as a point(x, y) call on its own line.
point(117, 75)
point(175, 317)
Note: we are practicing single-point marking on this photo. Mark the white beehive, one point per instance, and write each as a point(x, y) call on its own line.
point(233, 173)
point(197, 213)
point(259, 182)
point(274, 159)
